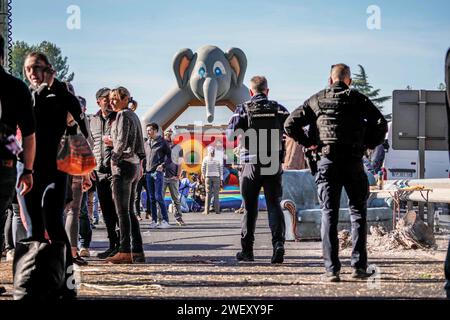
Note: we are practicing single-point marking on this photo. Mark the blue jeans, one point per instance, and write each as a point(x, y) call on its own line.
point(96, 203)
point(184, 205)
point(7, 183)
point(21, 229)
point(9, 240)
point(155, 184)
point(92, 204)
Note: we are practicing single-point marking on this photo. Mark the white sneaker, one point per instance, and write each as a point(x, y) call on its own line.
point(171, 209)
point(153, 225)
point(10, 255)
point(164, 225)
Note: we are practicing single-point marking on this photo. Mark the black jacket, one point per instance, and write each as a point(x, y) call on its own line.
point(304, 116)
point(156, 151)
point(51, 106)
point(16, 109)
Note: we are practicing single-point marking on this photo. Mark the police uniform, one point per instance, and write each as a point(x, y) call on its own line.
point(343, 123)
point(257, 172)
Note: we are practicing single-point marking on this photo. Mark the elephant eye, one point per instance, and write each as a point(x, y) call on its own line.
point(219, 69)
point(202, 72)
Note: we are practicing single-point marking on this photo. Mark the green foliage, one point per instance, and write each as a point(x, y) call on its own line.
point(20, 49)
point(361, 83)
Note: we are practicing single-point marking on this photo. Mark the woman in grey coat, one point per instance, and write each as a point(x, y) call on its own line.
point(128, 151)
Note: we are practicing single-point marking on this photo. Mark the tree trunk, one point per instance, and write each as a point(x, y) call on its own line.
point(412, 232)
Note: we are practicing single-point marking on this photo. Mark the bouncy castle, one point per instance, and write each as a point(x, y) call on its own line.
point(207, 78)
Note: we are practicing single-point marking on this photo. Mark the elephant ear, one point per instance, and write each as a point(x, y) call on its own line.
point(238, 62)
point(182, 65)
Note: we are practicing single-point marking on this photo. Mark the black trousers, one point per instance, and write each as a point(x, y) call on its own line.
point(142, 183)
point(105, 198)
point(45, 204)
point(251, 182)
point(331, 177)
point(125, 178)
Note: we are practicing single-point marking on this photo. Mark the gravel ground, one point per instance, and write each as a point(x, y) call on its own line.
point(197, 261)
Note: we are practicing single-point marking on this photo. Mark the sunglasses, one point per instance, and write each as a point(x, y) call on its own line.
point(38, 68)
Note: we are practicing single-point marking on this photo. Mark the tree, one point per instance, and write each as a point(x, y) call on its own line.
point(20, 49)
point(361, 83)
point(442, 87)
point(18, 53)
point(408, 87)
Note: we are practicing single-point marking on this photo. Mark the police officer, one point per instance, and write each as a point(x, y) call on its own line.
point(345, 123)
point(259, 125)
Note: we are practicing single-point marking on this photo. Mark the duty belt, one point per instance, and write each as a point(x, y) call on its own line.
point(340, 150)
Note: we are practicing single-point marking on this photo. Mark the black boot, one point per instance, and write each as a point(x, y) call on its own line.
point(245, 256)
point(278, 253)
point(332, 276)
point(105, 254)
point(361, 273)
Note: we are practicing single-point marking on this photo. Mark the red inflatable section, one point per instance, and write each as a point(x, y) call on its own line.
point(233, 180)
point(194, 143)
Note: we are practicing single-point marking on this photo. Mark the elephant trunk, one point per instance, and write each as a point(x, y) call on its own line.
point(210, 88)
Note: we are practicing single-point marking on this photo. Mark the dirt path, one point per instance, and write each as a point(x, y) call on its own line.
point(197, 261)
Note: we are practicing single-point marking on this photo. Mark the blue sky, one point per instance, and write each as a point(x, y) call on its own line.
point(293, 43)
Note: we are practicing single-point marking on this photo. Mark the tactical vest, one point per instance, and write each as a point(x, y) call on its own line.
point(265, 117)
point(340, 121)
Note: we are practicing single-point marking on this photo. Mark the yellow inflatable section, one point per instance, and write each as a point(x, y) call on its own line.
point(193, 153)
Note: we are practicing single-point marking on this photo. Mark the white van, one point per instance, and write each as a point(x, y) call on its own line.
point(404, 164)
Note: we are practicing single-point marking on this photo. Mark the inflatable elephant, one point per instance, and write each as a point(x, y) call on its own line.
point(205, 78)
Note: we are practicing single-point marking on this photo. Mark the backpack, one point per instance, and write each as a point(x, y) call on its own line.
point(264, 117)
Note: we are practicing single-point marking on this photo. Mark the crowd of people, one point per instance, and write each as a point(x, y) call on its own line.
point(39, 203)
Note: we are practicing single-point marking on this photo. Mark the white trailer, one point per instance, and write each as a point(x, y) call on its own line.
point(403, 164)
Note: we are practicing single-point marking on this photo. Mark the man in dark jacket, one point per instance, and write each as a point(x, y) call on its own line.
point(342, 124)
point(101, 129)
point(16, 110)
point(45, 202)
point(157, 151)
